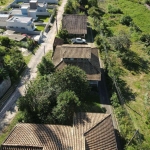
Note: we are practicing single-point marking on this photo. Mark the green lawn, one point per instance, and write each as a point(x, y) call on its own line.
point(43, 18)
point(39, 28)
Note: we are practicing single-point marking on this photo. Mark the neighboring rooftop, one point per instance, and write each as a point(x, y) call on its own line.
point(20, 19)
point(58, 41)
point(90, 131)
point(87, 59)
point(4, 17)
point(75, 24)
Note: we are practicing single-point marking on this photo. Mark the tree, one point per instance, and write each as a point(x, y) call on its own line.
point(46, 66)
point(74, 79)
point(67, 104)
point(39, 100)
point(121, 42)
point(63, 34)
point(5, 41)
point(126, 20)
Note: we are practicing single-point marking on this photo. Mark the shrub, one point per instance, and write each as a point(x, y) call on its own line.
point(146, 39)
point(126, 20)
point(114, 10)
point(147, 2)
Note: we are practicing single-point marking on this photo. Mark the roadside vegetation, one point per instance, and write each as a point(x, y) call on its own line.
point(11, 59)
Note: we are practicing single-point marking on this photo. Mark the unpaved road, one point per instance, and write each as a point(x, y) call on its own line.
point(10, 109)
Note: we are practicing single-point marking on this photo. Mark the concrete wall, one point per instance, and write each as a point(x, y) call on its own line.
point(20, 25)
point(2, 23)
point(42, 13)
point(4, 86)
point(25, 31)
point(40, 1)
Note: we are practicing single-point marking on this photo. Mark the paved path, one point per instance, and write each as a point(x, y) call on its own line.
point(30, 73)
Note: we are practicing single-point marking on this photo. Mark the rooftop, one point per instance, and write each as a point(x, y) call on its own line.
point(87, 59)
point(90, 131)
point(4, 15)
point(20, 19)
point(75, 24)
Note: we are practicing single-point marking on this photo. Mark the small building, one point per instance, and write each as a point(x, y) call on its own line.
point(3, 19)
point(75, 24)
point(90, 131)
point(83, 56)
point(17, 22)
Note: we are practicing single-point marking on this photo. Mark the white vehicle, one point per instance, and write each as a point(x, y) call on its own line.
point(78, 40)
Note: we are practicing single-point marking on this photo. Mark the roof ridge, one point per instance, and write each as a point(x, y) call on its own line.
point(94, 66)
point(96, 124)
point(59, 63)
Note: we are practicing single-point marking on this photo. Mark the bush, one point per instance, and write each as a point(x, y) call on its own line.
point(126, 20)
point(147, 2)
point(114, 10)
point(146, 39)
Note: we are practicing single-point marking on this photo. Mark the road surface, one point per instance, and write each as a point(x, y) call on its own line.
point(9, 110)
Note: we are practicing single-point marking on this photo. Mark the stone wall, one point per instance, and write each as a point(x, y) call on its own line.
point(4, 86)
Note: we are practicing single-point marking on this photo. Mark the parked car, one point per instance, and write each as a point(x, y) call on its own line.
point(78, 40)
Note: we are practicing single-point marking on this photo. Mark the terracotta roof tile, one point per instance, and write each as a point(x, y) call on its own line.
point(46, 136)
point(91, 131)
point(75, 24)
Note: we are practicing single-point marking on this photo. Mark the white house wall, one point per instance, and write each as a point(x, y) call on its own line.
point(20, 25)
point(2, 23)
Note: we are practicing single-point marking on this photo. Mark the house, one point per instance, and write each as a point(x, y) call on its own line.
point(3, 18)
point(16, 22)
point(90, 131)
point(31, 9)
point(57, 41)
point(82, 56)
point(75, 24)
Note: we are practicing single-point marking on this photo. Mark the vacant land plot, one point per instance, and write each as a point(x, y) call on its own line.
point(134, 65)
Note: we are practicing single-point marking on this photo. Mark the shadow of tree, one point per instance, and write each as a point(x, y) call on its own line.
point(133, 62)
point(126, 92)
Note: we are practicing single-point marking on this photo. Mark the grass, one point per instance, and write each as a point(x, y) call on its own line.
point(4, 3)
point(136, 81)
point(27, 58)
point(9, 128)
point(39, 28)
point(43, 18)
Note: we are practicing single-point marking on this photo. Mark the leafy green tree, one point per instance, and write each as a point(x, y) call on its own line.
point(92, 3)
point(71, 6)
point(74, 79)
point(67, 104)
point(46, 66)
point(126, 20)
point(120, 42)
point(63, 34)
point(3, 74)
point(5, 41)
point(39, 100)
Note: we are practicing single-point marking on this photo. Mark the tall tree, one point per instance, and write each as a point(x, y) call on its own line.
point(67, 104)
point(74, 79)
point(46, 66)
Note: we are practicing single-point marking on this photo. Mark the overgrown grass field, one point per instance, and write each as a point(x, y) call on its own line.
point(136, 80)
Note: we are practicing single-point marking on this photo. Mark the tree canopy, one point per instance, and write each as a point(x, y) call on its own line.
point(46, 66)
point(11, 59)
point(49, 98)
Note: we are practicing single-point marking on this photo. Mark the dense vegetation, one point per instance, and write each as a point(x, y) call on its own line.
point(54, 96)
point(11, 59)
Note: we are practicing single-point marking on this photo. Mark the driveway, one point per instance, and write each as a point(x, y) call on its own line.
point(9, 110)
